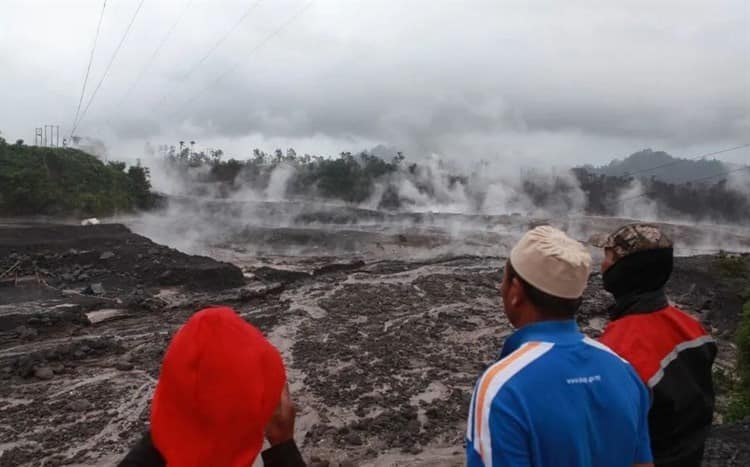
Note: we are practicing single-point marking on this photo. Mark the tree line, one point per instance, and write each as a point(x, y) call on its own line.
point(354, 178)
point(37, 180)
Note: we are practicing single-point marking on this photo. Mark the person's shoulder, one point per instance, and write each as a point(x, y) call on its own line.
point(630, 335)
point(635, 321)
point(612, 361)
point(603, 351)
point(505, 371)
point(685, 319)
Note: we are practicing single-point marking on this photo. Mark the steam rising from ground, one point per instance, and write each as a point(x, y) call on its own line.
point(632, 204)
point(421, 210)
point(739, 180)
point(233, 230)
point(435, 185)
point(486, 190)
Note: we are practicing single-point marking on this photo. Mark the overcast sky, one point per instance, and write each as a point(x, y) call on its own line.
point(554, 82)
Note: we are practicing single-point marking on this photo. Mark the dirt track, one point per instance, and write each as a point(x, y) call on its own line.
point(382, 354)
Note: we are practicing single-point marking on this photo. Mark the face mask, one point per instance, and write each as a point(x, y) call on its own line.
point(612, 282)
point(640, 272)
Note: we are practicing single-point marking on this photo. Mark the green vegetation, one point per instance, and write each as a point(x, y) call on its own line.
point(348, 177)
point(356, 177)
point(661, 166)
point(739, 406)
point(712, 200)
point(57, 181)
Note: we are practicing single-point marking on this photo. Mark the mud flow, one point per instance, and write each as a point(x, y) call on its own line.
point(385, 321)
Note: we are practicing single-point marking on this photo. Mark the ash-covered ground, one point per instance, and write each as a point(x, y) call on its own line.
point(385, 321)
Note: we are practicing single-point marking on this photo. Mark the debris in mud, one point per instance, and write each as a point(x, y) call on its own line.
point(94, 289)
point(105, 314)
point(381, 355)
point(106, 255)
point(33, 317)
point(343, 266)
point(249, 293)
point(283, 276)
point(44, 372)
point(728, 445)
point(69, 256)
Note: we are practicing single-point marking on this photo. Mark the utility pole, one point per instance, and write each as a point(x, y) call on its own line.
point(48, 136)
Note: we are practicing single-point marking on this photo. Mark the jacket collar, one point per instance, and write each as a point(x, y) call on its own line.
point(556, 332)
point(638, 303)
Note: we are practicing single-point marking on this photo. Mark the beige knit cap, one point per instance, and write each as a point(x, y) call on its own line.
point(552, 262)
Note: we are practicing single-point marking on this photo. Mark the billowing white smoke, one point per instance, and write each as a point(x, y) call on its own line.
point(540, 193)
point(634, 203)
point(502, 198)
point(433, 186)
point(436, 186)
point(90, 145)
point(279, 181)
point(179, 180)
point(739, 181)
point(183, 180)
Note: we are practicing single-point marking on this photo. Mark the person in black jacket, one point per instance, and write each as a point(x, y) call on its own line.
point(221, 390)
point(668, 348)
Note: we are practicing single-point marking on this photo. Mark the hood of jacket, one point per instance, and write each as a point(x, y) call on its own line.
point(220, 383)
point(637, 282)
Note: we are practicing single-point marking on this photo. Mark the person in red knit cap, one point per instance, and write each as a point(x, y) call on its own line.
point(221, 390)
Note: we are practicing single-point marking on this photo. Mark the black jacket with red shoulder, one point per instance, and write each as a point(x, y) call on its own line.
point(673, 355)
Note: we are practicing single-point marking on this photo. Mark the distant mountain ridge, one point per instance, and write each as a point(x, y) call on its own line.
point(670, 169)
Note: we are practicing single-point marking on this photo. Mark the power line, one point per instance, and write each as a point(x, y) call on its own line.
point(223, 38)
point(213, 48)
point(678, 161)
point(156, 52)
point(91, 59)
point(109, 65)
point(255, 49)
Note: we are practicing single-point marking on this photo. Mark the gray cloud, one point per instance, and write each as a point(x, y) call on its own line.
point(548, 81)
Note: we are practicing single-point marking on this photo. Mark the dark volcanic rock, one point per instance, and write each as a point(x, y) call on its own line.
point(384, 355)
point(68, 253)
point(94, 289)
point(728, 445)
point(44, 372)
point(339, 267)
point(250, 293)
point(700, 283)
point(106, 255)
point(30, 318)
point(124, 366)
point(285, 276)
point(79, 405)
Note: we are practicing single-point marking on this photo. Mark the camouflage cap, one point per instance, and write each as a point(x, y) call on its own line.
point(633, 238)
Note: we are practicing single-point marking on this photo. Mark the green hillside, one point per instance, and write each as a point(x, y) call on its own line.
point(57, 181)
point(661, 166)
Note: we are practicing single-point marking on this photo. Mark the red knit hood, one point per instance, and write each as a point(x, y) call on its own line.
point(220, 382)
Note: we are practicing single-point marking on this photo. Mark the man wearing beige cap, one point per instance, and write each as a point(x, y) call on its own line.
point(669, 349)
point(555, 397)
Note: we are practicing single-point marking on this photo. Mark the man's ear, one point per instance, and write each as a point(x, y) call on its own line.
point(516, 293)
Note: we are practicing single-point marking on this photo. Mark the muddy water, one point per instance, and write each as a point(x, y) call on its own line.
point(381, 355)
